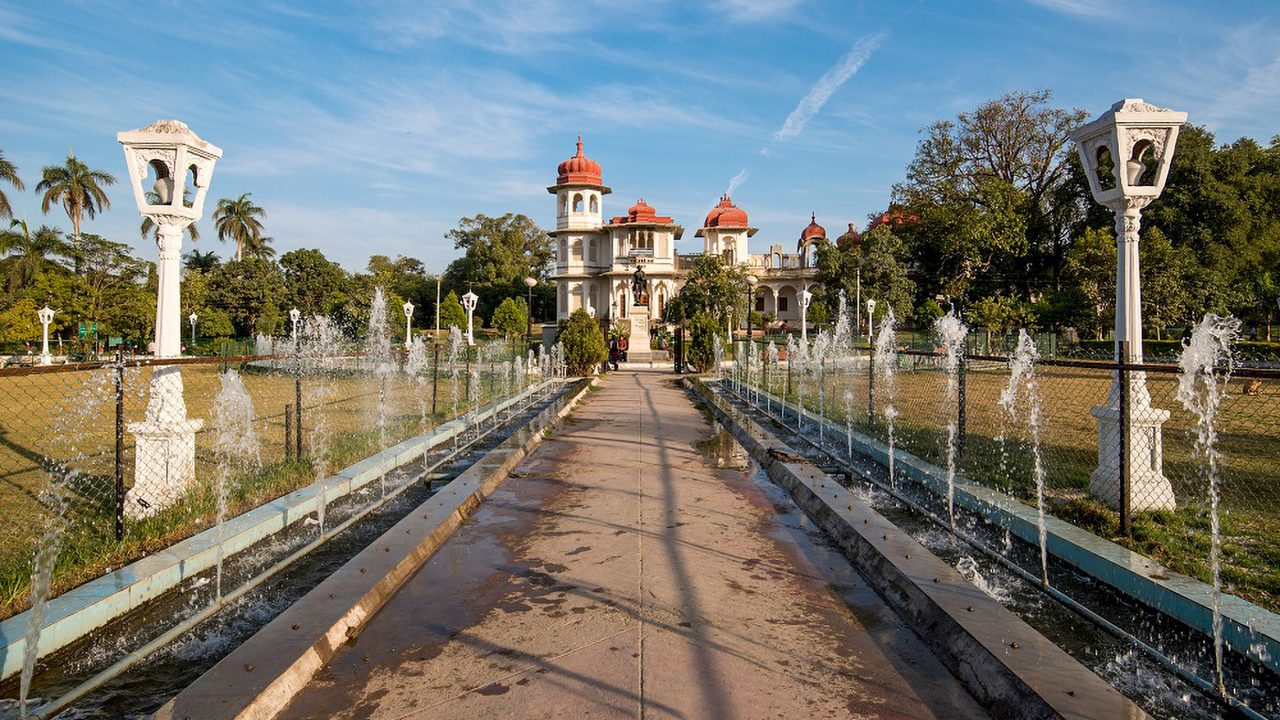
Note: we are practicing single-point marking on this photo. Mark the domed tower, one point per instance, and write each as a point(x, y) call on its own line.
point(725, 232)
point(808, 237)
point(579, 192)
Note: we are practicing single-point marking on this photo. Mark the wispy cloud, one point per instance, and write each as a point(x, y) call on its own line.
point(1081, 8)
point(737, 181)
point(748, 11)
point(821, 92)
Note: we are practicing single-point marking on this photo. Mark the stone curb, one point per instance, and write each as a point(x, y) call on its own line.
point(81, 610)
point(259, 678)
point(1004, 663)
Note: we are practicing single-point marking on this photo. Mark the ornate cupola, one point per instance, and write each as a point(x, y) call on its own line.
point(725, 232)
point(579, 190)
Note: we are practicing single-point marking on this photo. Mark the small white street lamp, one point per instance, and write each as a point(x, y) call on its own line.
point(1137, 141)
point(408, 320)
point(469, 304)
point(295, 316)
point(806, 297)
point(529, 282)
point(182, 165)
point(45, 314)
point(192, 319)
point(871, 319)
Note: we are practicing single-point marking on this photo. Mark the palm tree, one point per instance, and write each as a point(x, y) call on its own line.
point(29, 253)
point(260, 248)
point(9, 174)
point(148, 228)
point(79, 190)
point(204, 262)
point(238, 220)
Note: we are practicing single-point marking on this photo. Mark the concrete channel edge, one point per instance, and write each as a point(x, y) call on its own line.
point(259, 678)
point(1004, 663)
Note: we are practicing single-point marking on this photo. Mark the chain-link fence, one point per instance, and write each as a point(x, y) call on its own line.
point(124, 456)
point(1118, 449)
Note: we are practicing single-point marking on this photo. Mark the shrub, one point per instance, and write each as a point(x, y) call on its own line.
point(702, 331)
point(583, 343)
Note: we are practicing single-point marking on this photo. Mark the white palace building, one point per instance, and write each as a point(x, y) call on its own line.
point(596, 259)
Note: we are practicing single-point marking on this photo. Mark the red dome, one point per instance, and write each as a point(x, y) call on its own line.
point(814, 230)
point(579, 170)
point(849, 238)
point(726, 214)
point(642, 212)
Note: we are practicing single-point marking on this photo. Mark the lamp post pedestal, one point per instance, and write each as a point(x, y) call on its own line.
point(45, 316)
point(165, 455)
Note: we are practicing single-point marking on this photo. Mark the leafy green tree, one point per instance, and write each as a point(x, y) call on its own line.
point(408, 278)
point(30, 254)
point(703, 329)
point(510, 317)
point(79, 190)
point(240, 221)
point(1164, 270)
point(313, 283)
point(884, 272)
point(215, 323)
point(1090, 274)
point(18, 322)
point(817, 315)
point(243, 289)
point(584, 346)
point(451, 312)
point(260, 247)
point(499, 253)
point(109, 274)
point(716, 289)
point(927, 313)
point(8, 174)
point(204, 262)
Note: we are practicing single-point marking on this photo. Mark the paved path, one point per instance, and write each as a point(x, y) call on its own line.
point(634, 567)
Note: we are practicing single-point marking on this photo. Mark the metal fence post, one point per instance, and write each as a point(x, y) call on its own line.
point(962, 411)
point(1125, 421)
point(871, 385)
point(297, 402)
point(288, 431)
point(435, 373)
point(119, 460)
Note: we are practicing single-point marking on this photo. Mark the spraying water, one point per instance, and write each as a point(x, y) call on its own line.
point(454, 359)
point(320, 343)
point(717, 353)
point(886, 355)
point(1023, 384)
point(771, 360)
point(378, 351)
point(952, 332)
point(1201, 391)
point(415, 363)
point(801, 361)
point(821, 348)
point(236, 447)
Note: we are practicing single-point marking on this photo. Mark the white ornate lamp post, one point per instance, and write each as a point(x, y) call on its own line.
point(45, 314)
point(408, 320)
point(805, 298)
point(529, 282)
point(1138, 140)
point(165, 453)
point(295, 316)
point(469, 304)
point(192, 319)
point(871, 319)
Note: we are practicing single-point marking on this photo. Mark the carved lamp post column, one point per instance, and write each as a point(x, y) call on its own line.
point(192, 319)
point(1126, 154)
point(45, 315)
point(805, 298)
point(175, 156)
point(469, 304)
point(408, 322)
point(529, 282)
point(295, 316)
point(871, 321)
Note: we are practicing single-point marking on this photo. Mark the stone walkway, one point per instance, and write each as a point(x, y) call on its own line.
point(634, 566)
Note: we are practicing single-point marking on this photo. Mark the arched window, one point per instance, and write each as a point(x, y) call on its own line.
point(577, 202)
point(564, 250)
point(591, 249)
point(564, 300)
point(595, 205)
point(728, 256)
point(564, 206)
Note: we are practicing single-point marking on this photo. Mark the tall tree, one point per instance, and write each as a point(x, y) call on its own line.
point(499, 253)
point(29, 253)
point(714, 288)
point(260, 247)
point(202, 261)
point(313, 283)
point(240, 221)
point(9, 174)
point(79, 190)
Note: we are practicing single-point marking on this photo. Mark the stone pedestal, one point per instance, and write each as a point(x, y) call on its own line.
point(639, 341)
point(1149, 488)
point(165, 449)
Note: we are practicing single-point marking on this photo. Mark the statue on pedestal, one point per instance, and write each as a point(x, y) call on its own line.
point(640, 287)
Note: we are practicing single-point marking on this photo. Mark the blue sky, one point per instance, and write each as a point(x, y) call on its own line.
point(368, 127)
